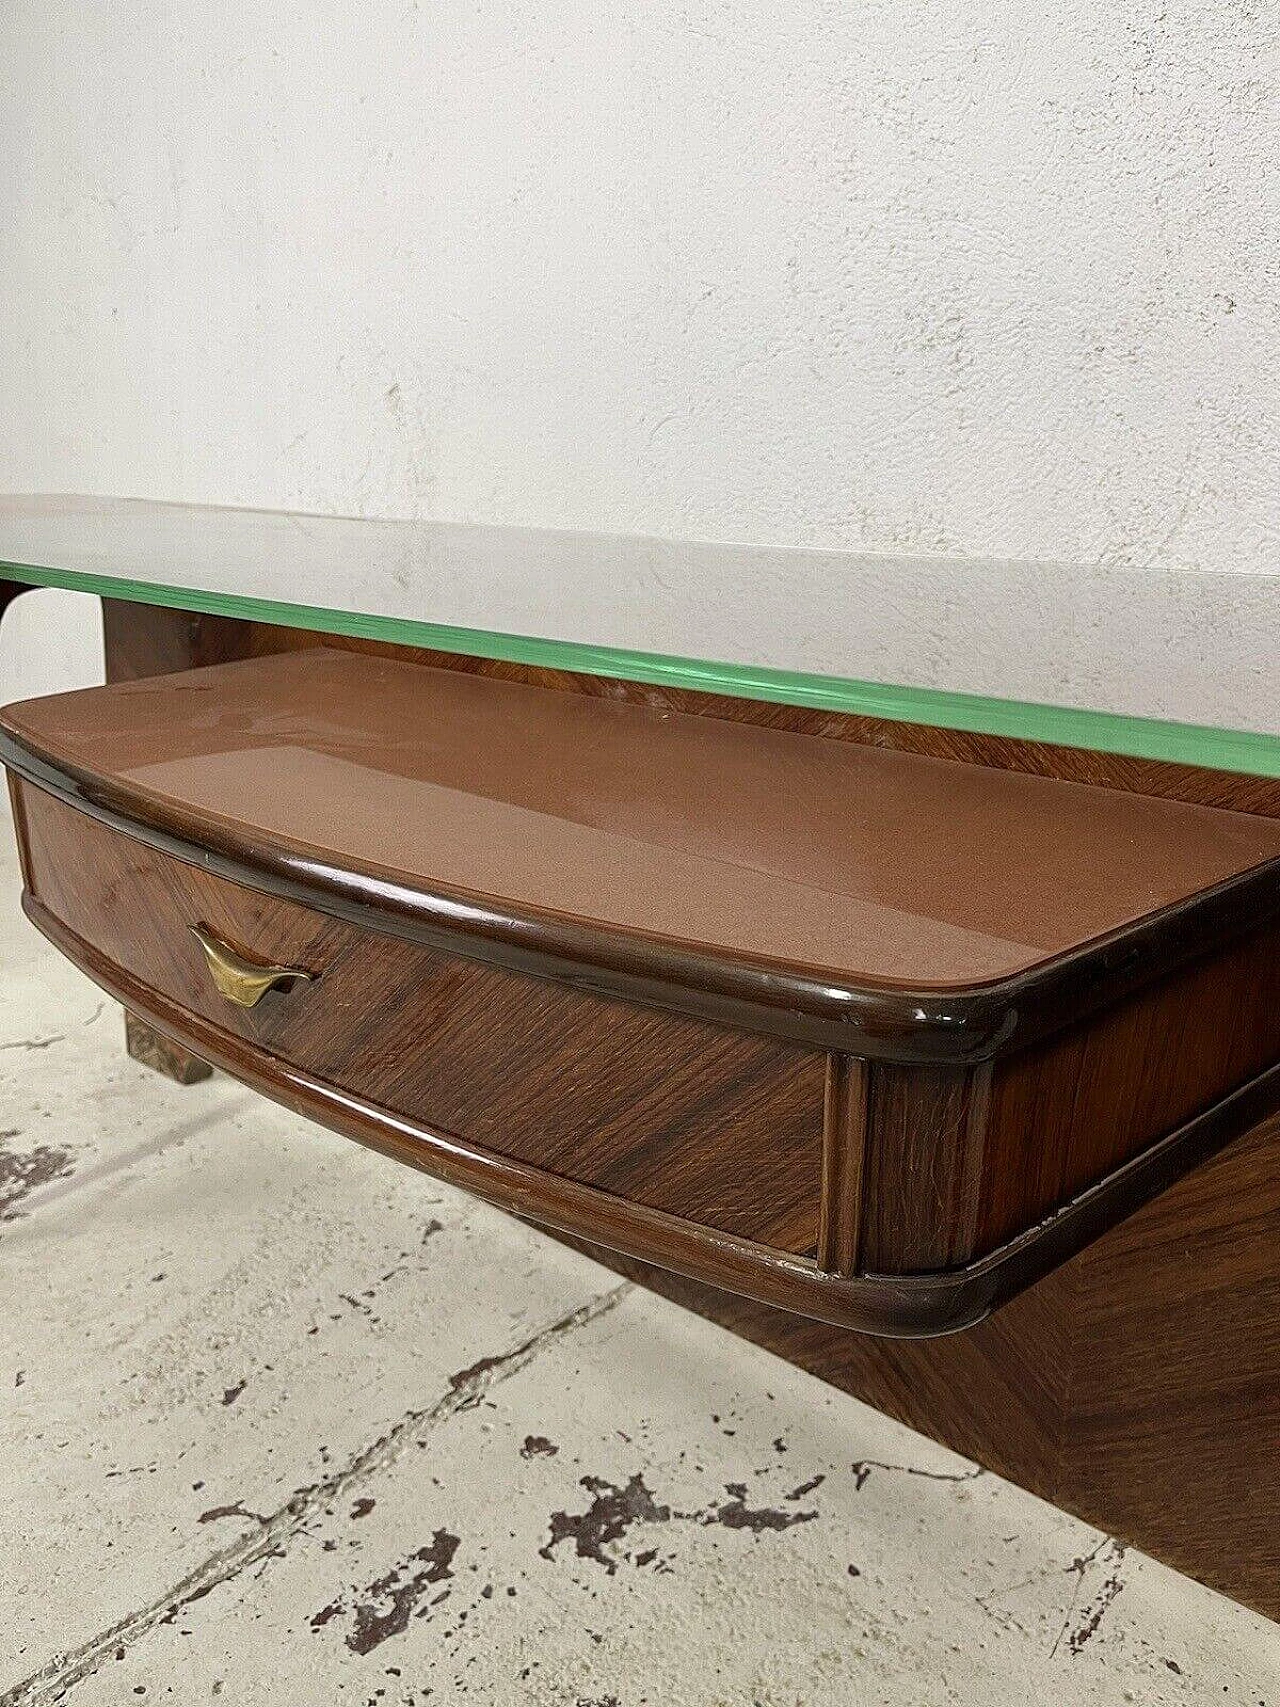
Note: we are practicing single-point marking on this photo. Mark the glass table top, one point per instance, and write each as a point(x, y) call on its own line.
point(1114, 642)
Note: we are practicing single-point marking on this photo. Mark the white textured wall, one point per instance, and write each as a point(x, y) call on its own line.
point(982, 279)
point(49, 641)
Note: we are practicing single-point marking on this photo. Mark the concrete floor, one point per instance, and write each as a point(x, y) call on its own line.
point(284, 1423)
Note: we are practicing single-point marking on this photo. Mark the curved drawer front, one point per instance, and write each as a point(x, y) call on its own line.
point(720, 1127)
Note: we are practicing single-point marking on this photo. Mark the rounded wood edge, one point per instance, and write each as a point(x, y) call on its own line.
point(812, 1009)
point(895, 1306)
point(877, 1305)
point(958, 1027)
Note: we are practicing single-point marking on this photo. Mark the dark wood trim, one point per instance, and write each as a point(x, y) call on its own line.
point(930, 1152)
point(711, 1125)
point(790, 1282)
point(18, 808)
point(151, 640)
point(844, 1137)
point(911, 1305)
point(906, 1026)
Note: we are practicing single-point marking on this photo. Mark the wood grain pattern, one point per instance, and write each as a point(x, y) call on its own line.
point(844, 1136)
point(1066, 1111)
point(867, 1304)
point(958, 1160)
point(1155, 777)
point(437, 1089)
point(1137, 1386)
point(155, 640)
point(151, 640)
point(1174, 1423)
point(507, 805)
point(693, 1119)
point(931, 1154)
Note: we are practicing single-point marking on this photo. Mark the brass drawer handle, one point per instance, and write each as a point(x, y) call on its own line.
point(242, 981)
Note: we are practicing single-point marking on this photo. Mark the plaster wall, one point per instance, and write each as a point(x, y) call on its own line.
point(977, 280)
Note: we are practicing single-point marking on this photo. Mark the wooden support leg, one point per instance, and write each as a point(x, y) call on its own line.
point(148, 640)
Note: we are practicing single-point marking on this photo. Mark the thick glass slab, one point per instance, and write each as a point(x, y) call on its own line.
point(1117, 643)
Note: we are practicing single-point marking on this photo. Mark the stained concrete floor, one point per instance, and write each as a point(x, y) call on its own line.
point(284, 1423)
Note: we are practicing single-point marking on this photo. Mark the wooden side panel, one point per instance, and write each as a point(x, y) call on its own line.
point(151, 640)
point(1137, 1386)
point(1173, 1437)
point(927, 1129)
point(1065, 1113)
point(959, 1161)
point(698, 1120)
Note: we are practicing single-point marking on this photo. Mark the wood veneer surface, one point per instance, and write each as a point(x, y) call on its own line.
point(718, 1126)
point(1138, 1385)
point(219, 638)
point(895, 869)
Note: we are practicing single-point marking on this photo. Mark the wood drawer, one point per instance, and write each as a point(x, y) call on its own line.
point(815, 1043)
point(717, 1126)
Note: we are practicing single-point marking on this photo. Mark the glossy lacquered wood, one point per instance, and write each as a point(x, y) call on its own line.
point(852, 908)
point(1159, 779)
point(148, 640)
point(720, 1127)
point(960, 1159)
point(895, 1304)
point(919, 1166)
point(524, 1088)
point(1137, 1386)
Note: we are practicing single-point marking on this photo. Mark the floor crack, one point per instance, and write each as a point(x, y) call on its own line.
point(1108, 1550)
point(863, 1468)
point(273, 1534)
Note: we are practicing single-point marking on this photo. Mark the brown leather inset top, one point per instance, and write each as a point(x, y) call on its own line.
point(877, 867)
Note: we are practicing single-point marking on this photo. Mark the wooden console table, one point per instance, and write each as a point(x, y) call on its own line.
point(848, 1031)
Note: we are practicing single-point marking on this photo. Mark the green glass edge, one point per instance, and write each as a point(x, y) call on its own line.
point(1068, 726)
